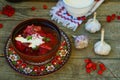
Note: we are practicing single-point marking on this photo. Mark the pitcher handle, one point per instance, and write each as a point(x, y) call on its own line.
point(96, 5)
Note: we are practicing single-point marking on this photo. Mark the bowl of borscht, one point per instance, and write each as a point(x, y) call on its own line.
point(36, 40)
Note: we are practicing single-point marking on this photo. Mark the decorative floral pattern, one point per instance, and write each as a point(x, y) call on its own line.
point(50, 68)
point(13, 57)
point(27, 70)
point(57, 62)
point(63, 53)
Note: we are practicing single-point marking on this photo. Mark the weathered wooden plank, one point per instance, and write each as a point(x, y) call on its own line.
point(111, 37)
point(73, 69)
point(23, 11)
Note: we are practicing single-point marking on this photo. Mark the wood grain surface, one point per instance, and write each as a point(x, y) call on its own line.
point(74, 69)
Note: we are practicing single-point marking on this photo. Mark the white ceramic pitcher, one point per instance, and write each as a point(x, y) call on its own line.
point(78, 8)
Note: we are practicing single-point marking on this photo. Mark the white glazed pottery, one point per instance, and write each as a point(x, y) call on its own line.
point(78, 8)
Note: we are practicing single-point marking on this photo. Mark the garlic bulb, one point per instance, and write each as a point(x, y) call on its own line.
point(101, 47)
point(93, 25)
point(80, 41)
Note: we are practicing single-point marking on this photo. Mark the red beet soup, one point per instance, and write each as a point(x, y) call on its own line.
point(36, 40)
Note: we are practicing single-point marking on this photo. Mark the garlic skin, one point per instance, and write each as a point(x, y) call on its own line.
point(101, 47)
point(80, 41)
point(93, 25)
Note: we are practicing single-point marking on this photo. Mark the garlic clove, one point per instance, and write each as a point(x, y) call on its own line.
point(80, 41)
point(102, 48)
point(93, 25)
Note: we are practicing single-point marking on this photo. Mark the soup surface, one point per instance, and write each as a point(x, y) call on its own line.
point(36, 40)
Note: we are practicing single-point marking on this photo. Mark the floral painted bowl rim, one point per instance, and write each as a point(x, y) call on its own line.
point(65, 58)
point(31, 21)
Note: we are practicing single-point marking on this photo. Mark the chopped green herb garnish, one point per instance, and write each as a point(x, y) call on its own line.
point(29, 37)
point(36, 48)
point(46, 39)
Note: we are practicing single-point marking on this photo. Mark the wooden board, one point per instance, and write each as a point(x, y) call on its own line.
point(74, 68)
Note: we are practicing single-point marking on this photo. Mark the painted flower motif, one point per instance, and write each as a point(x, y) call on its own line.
point(50, 68)
point(27, 70)
point(13, 57)
point(63, 53)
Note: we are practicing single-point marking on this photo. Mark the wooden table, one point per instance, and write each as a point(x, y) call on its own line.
point(74, 69)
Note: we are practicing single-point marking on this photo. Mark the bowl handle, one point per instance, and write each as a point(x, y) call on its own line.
point(95, 6)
